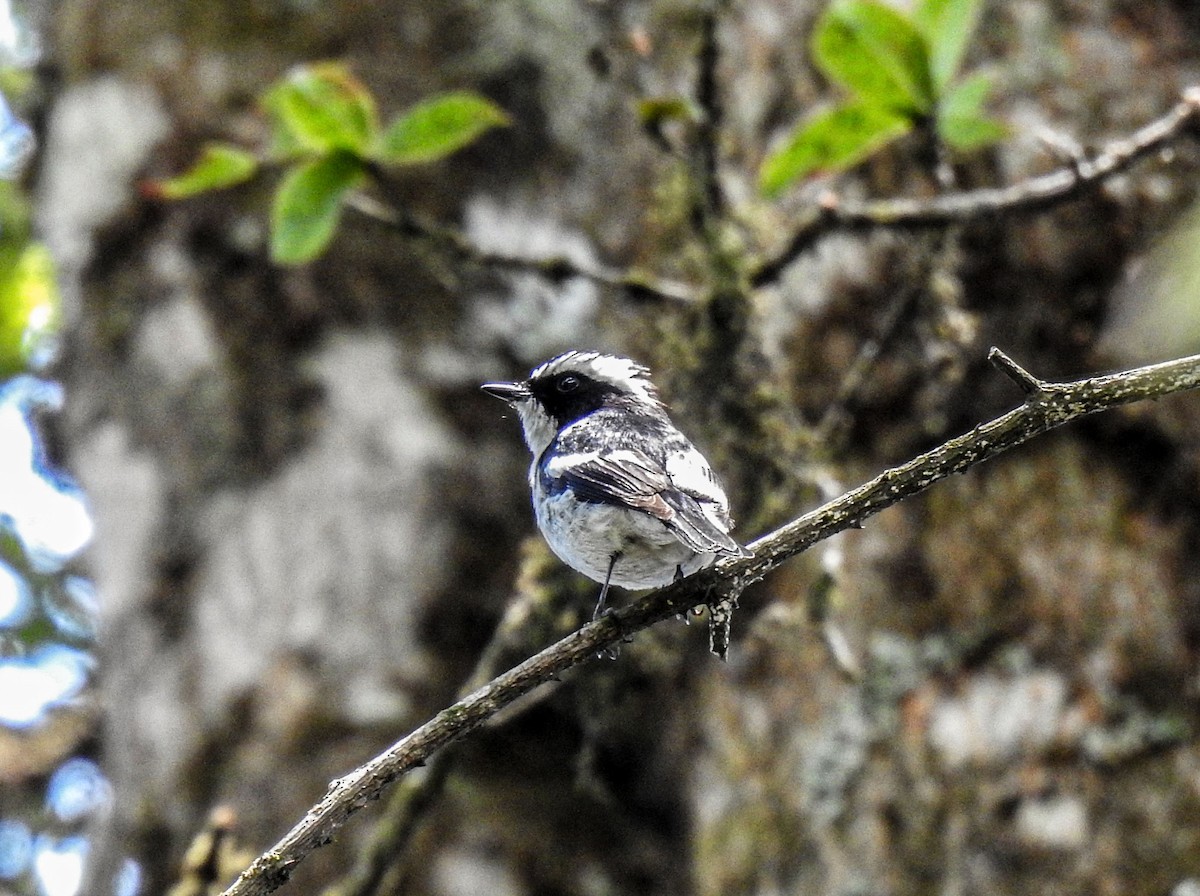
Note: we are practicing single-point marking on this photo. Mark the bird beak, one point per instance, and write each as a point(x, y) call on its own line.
point(511, 393)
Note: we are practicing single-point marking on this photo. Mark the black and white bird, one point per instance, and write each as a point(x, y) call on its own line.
point(619, 493)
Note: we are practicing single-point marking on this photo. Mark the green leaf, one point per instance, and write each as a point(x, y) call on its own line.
point(285, 144)
point(961, 121)
point(437, 127)
point(220, 165)
point(947, 26)
point(319, 108)
point(875, 53)
point(29, 303)
point(308, 206)
point(831, 141)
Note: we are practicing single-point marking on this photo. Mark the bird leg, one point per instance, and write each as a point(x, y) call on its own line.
point(612, 561)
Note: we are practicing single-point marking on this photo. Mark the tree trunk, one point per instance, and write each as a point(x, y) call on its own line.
point(309, 520)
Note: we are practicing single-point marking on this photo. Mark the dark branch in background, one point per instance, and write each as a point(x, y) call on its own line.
point(834, 421)
point(1047, 405)
point(553, 270)
point(936, 256)
point(962, 207)
point(381, 862)
point(710, 203)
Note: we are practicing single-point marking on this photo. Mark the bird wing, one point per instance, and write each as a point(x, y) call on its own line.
point(631, 478)
point(691, 475)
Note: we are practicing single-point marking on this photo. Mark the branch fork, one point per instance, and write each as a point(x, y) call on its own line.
point(1035, 193)
point(1028, 383)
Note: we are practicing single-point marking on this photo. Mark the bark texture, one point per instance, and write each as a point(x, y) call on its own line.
point(309, 521)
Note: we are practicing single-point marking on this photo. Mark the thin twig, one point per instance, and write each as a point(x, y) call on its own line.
point(1028, 383)
point(1051, 406)
point(554, 269)
point(1036, 193)
point(830, 213)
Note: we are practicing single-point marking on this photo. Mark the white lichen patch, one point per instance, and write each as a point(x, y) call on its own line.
point(332, 557)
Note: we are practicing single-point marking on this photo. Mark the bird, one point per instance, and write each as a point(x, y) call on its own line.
point(619, 493)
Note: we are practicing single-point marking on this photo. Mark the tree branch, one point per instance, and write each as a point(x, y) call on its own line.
point(830, 213)
point(382, 858)
point(554, 269)
point(1036, 193)
point(1046, 406)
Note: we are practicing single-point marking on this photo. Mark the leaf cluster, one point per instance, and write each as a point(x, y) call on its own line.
point(901, 71)
point(326, 134)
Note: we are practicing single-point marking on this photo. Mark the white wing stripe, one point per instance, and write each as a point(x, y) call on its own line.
point(690, 473)
point(561, 464)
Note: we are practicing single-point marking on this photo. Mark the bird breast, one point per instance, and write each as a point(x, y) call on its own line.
point(586, 535)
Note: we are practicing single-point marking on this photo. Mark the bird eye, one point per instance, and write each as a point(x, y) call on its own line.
point(568, 383)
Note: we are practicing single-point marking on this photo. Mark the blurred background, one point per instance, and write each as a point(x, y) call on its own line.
point(257, 521)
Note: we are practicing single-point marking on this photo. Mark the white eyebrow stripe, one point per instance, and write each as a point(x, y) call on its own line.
point(627, 375)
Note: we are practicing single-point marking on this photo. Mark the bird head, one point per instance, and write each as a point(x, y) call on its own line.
point(571, 386)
